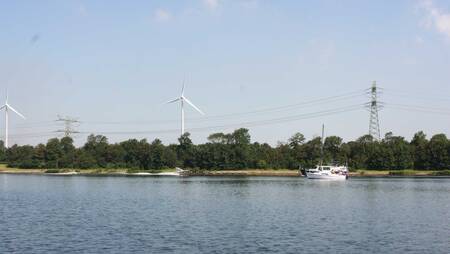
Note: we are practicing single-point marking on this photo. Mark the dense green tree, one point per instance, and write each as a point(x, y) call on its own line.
point(131, 156)
point(53, 153)
point(2, 151)
point(144, 155)
point(116, 156)
point(169, 157)
point(240, 148)
point(296, 140)
point(220, 138)
point(68, 153)
point(240, 137)
point(419, 145)
point(360, 151)
point(157, 154)
point(261, 156)
point(185, 151)
point(84, 160)
point(21, 156)
point(332, 149)
point(313, 152)
point(399, 151)
point(97, 147)
point(39, 154)
point(379, 157)
point(235, 151)
point(438, 152)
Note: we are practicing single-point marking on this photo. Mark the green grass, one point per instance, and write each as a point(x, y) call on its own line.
point(405, 172)
point(52, 171)
point(153, 171)
point(441, 173)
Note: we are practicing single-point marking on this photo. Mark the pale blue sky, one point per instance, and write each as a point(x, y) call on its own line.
point(113, 64)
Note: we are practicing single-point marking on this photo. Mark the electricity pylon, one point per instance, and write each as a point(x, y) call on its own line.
point(374, 122)
point(69, 125)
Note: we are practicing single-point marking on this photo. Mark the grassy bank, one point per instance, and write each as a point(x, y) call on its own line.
point(248, 172)
point(406, 172)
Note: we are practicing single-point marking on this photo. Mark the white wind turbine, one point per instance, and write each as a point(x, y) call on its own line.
point(182, 100)
point(7, 107)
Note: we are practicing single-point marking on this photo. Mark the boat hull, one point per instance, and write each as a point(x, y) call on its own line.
point(326, 176)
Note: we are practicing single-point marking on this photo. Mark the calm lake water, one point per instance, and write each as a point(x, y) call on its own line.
point(63, 214)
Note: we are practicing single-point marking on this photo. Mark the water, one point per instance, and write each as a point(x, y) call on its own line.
point(61, 214)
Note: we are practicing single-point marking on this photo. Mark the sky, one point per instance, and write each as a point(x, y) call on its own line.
point(275, 67)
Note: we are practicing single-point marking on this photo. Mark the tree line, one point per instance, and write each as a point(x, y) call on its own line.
point(235, 151)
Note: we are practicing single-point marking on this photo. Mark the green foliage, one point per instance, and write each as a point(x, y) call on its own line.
point(419, 146)
point(97, 147)
point(21, 157)
point(225, 151)
point(2, 151)
point(442, 173)
point(296, 140)
point(438, 152)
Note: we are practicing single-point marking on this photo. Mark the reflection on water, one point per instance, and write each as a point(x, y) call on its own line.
point(45, 214)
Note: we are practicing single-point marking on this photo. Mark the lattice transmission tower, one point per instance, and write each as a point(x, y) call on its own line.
point(69, 125)
point(374, 106)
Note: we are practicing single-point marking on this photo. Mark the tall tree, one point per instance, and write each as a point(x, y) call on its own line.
point(438, 152)
point(97, 147)
point(68, 153)
point(54, 153)
point(419, 145)
point(296, 140)
point(332, 149)
point(185, 150)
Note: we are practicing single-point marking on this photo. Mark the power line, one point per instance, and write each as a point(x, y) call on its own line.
point(414, 108)
point(216, 127)
point(409, 95)
point(250, 123)
point(321, 101)
point(325, 100)
point(373, 106)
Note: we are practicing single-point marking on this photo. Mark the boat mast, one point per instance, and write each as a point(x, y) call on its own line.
point(322, 144)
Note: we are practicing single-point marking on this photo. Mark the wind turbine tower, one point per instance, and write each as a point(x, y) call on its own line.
point(8, 107)
point(182, 99)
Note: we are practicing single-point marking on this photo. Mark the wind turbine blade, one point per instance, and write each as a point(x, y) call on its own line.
point(172, 101)
point(182, 88)
point(192, 105)
point(2, 107)
point(15, 111)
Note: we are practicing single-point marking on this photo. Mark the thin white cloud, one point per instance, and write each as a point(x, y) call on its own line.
point(211, 4)
point(162, 15)
point(437, 19)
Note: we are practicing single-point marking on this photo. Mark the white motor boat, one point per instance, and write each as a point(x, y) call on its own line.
point(328, 173)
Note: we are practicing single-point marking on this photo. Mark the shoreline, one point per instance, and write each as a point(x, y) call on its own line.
point(226, 173)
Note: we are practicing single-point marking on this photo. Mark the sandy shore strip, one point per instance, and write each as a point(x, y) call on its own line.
point(252, 172)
